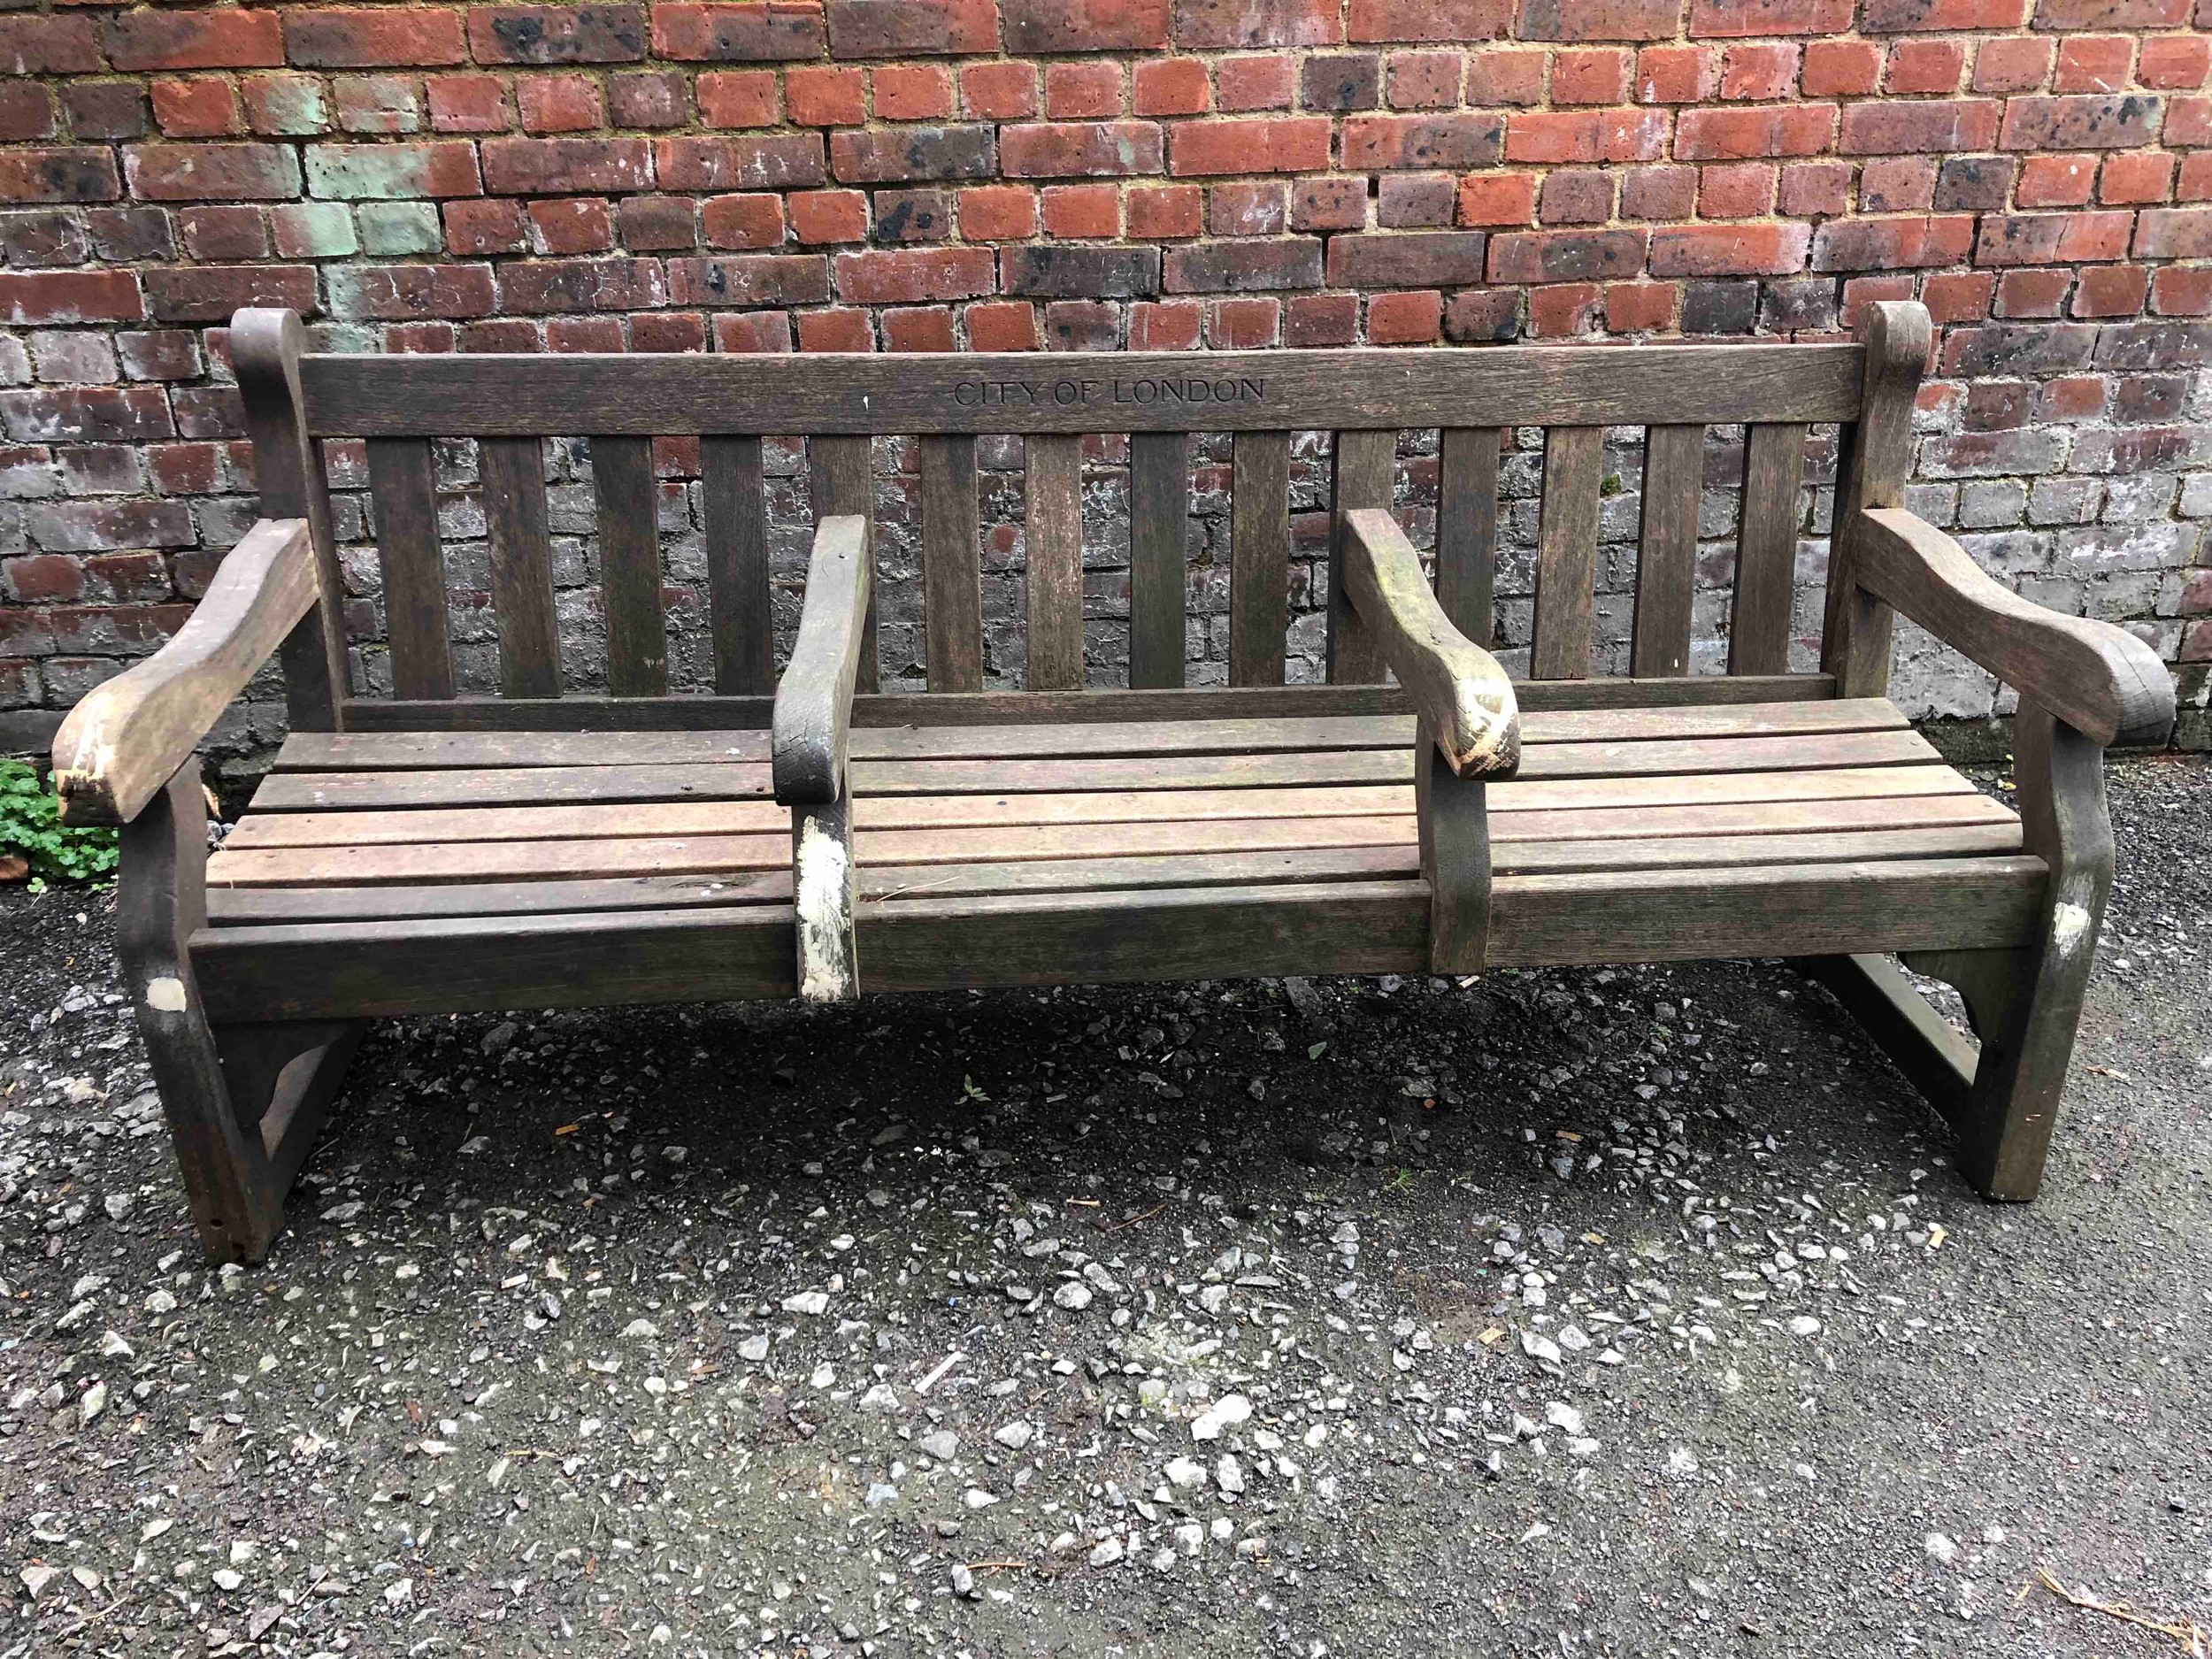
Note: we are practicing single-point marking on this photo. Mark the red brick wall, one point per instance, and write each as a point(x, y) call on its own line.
point(1185, 174)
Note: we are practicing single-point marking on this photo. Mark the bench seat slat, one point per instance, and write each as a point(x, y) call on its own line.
point(244, 906)
point(393, 751)
point(337, 791)
point(705, 852)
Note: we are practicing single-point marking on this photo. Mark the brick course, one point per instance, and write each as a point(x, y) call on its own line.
point(773, 175)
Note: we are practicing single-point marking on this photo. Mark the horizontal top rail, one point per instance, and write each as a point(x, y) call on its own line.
point(521, 395)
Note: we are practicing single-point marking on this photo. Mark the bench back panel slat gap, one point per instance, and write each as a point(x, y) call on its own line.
point(513, 473)
point(403, 485)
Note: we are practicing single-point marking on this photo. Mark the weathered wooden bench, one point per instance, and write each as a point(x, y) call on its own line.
point(433, 852)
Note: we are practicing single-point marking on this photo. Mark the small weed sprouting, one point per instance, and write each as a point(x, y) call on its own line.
point(31, 826)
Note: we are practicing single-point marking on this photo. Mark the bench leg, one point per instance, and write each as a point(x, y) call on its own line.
point(2023, 1003)
point(244, 1102)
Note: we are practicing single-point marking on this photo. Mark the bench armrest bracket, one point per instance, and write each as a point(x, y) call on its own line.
point(1469, 729)
point(2098, 679)
point(126, 737)
point(812, 736)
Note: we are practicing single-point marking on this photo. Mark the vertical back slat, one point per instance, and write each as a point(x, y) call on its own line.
point(733, 491)
point(513, 471)
point(1366, 466)
point(1159, 507)
point(404, 485)
point(844, 482)
point(1766, 549)
point(1259, 557)
point(952, 565)
point(1666, 551)
point(1567, 553)
point(1053, 536)
point(1467, 527)
point(630, 566)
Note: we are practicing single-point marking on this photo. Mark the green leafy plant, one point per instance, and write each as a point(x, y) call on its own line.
point(31, 825)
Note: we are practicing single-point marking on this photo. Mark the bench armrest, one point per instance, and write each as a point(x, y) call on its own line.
point(2100, 680)
point(814, 700)
point(126, 737)
point(1462, 693)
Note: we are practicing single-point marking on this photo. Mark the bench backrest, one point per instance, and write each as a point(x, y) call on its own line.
point(1474, 399)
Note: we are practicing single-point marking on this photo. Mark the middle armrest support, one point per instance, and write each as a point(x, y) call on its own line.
point(814, 700)
point(1462, 693)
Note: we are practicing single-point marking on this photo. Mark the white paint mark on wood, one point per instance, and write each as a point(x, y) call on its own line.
point(2069, 926)
point(823, 902)
point(166, 995)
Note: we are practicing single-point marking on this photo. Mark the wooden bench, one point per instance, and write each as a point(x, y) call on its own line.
point(434, 852)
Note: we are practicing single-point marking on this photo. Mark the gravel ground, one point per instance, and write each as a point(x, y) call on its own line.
point(1627, 1311)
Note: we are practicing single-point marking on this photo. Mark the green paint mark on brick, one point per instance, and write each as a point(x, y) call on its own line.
point(315, 230)
point(289, 106)
point(399, 227)
point(364, 173)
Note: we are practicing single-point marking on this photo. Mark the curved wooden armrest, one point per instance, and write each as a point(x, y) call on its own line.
point(125, 737)
point(2100, 680)
point(1461, 692)
point(814, 701)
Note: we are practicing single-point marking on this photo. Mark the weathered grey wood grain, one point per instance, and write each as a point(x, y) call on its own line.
point(647, 395)
point(1159, 507)
point(404, 487)
point(1259, 557)
point(1366, 475)
point(845, 485)
point(1766, 551)
point(952, 564)
point(1467, 527)
point(1466, 701)
point(1666, 552)
point(1876, 464)
point(266, 348)
point(1567, 553)
point(630, 566)
point(814, 714)
point(1053, 540)
point(513, 473)
point(2099, 678)
point(119, 746)
point(736, 534)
